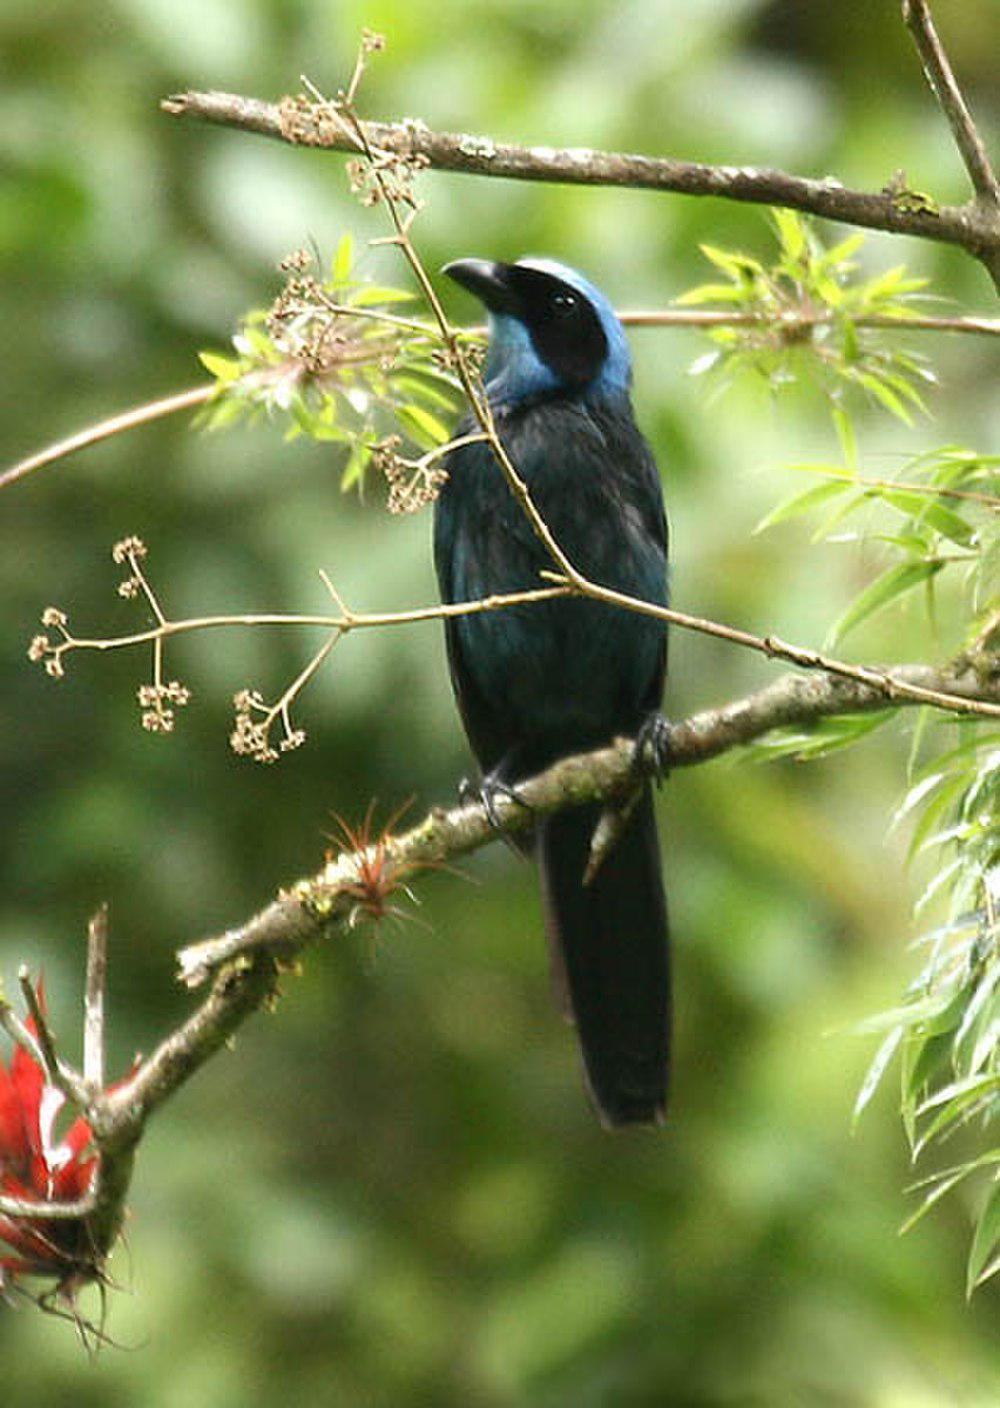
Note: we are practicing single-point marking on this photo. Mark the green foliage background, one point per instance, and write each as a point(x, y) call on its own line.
point(394, 1192)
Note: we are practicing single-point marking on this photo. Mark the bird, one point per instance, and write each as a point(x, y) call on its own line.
point(535, 683)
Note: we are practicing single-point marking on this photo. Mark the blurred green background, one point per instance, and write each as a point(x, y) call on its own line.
point(394, 1192)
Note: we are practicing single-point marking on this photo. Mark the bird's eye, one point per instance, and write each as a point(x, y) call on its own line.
point(563, 303)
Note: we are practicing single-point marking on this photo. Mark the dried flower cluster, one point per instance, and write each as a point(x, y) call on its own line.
point(413, 484)
point(387, 176)
point(320, 336)
point(251, 735)
point(49, 652)
point(155, 701)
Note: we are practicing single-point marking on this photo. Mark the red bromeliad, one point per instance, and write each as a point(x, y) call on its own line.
point(38, 1168)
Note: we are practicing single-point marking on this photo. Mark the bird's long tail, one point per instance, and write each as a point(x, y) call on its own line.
point(609, 945)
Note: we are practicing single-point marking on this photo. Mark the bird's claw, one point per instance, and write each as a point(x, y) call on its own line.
point(486, 794)
point(653, 749)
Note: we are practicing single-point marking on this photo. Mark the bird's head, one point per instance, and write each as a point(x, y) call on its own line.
point(551, 331)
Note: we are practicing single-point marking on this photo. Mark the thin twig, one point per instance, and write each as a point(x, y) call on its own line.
point(43, 1049)
point(794, 319)
point(886, 683)
point(774, 647)
point(349, 621)
point(904, 486)
point(637, 318)
point(114, 425)
point(93, 1017)
point(31, 1209)
point(937, 68)
point(43, 1034)
point(18, 1032)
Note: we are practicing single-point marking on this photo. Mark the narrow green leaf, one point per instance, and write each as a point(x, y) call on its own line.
point(942, 1185)
point(877, 1069)
point(712, 293)
point(371, 295)
point(910, 1014)
point(845, 434)
point(928, 510)
point(958, 1094)
point(985, 1241)
point(791, 233)
point(880, 392)
point(738, 266)
point(798, 504)
point(424, 427)
point(357, 463)
point(839, 254)
point(342, 261)
point(424, 390)
point(947, 795)
point(886, 587)
point(224, 369)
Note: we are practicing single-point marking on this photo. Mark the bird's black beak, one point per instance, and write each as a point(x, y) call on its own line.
point(487, 280)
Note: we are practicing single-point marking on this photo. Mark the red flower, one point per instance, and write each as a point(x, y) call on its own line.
point(36, 1168)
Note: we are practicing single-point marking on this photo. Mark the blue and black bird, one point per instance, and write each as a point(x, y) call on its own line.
point(537, 683)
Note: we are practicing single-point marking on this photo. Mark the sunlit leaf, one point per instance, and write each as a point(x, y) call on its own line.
point(798, 504)
point(892, 583)
point(985, 1242)
point(880, 1063)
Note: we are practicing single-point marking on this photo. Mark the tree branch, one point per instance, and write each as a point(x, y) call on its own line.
point(307, 907)
point(305, 123)
point(918, 19)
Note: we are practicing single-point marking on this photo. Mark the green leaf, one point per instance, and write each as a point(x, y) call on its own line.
point(912, 1014)
point(943, 1182)
point(424, 390)
point(886, 587)
point(371, 295)
point(822, 738)
point(798, 504)
point(878, 390)
point(839, 254)
point(929, 510)
point(791, 230)
point(712, 293)
point(224, 369)
point(424, 427)
point(342, 261)
point(357, 463)
point(739, 267)
point(985, 1242)
point(877, 1069)
point(845, 434)
point(948, 793)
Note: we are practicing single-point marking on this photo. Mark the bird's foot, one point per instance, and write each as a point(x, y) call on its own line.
point(652, 755)
point(486, 794)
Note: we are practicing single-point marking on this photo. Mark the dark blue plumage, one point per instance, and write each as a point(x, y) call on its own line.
point(539, 682)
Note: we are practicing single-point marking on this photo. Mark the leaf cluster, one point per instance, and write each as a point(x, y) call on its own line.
point(334, 359)
point(799, 319)
point(947, 1030)
point(935, 518)
point(940, 513)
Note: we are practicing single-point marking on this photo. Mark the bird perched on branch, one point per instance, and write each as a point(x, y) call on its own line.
point(535, 683)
